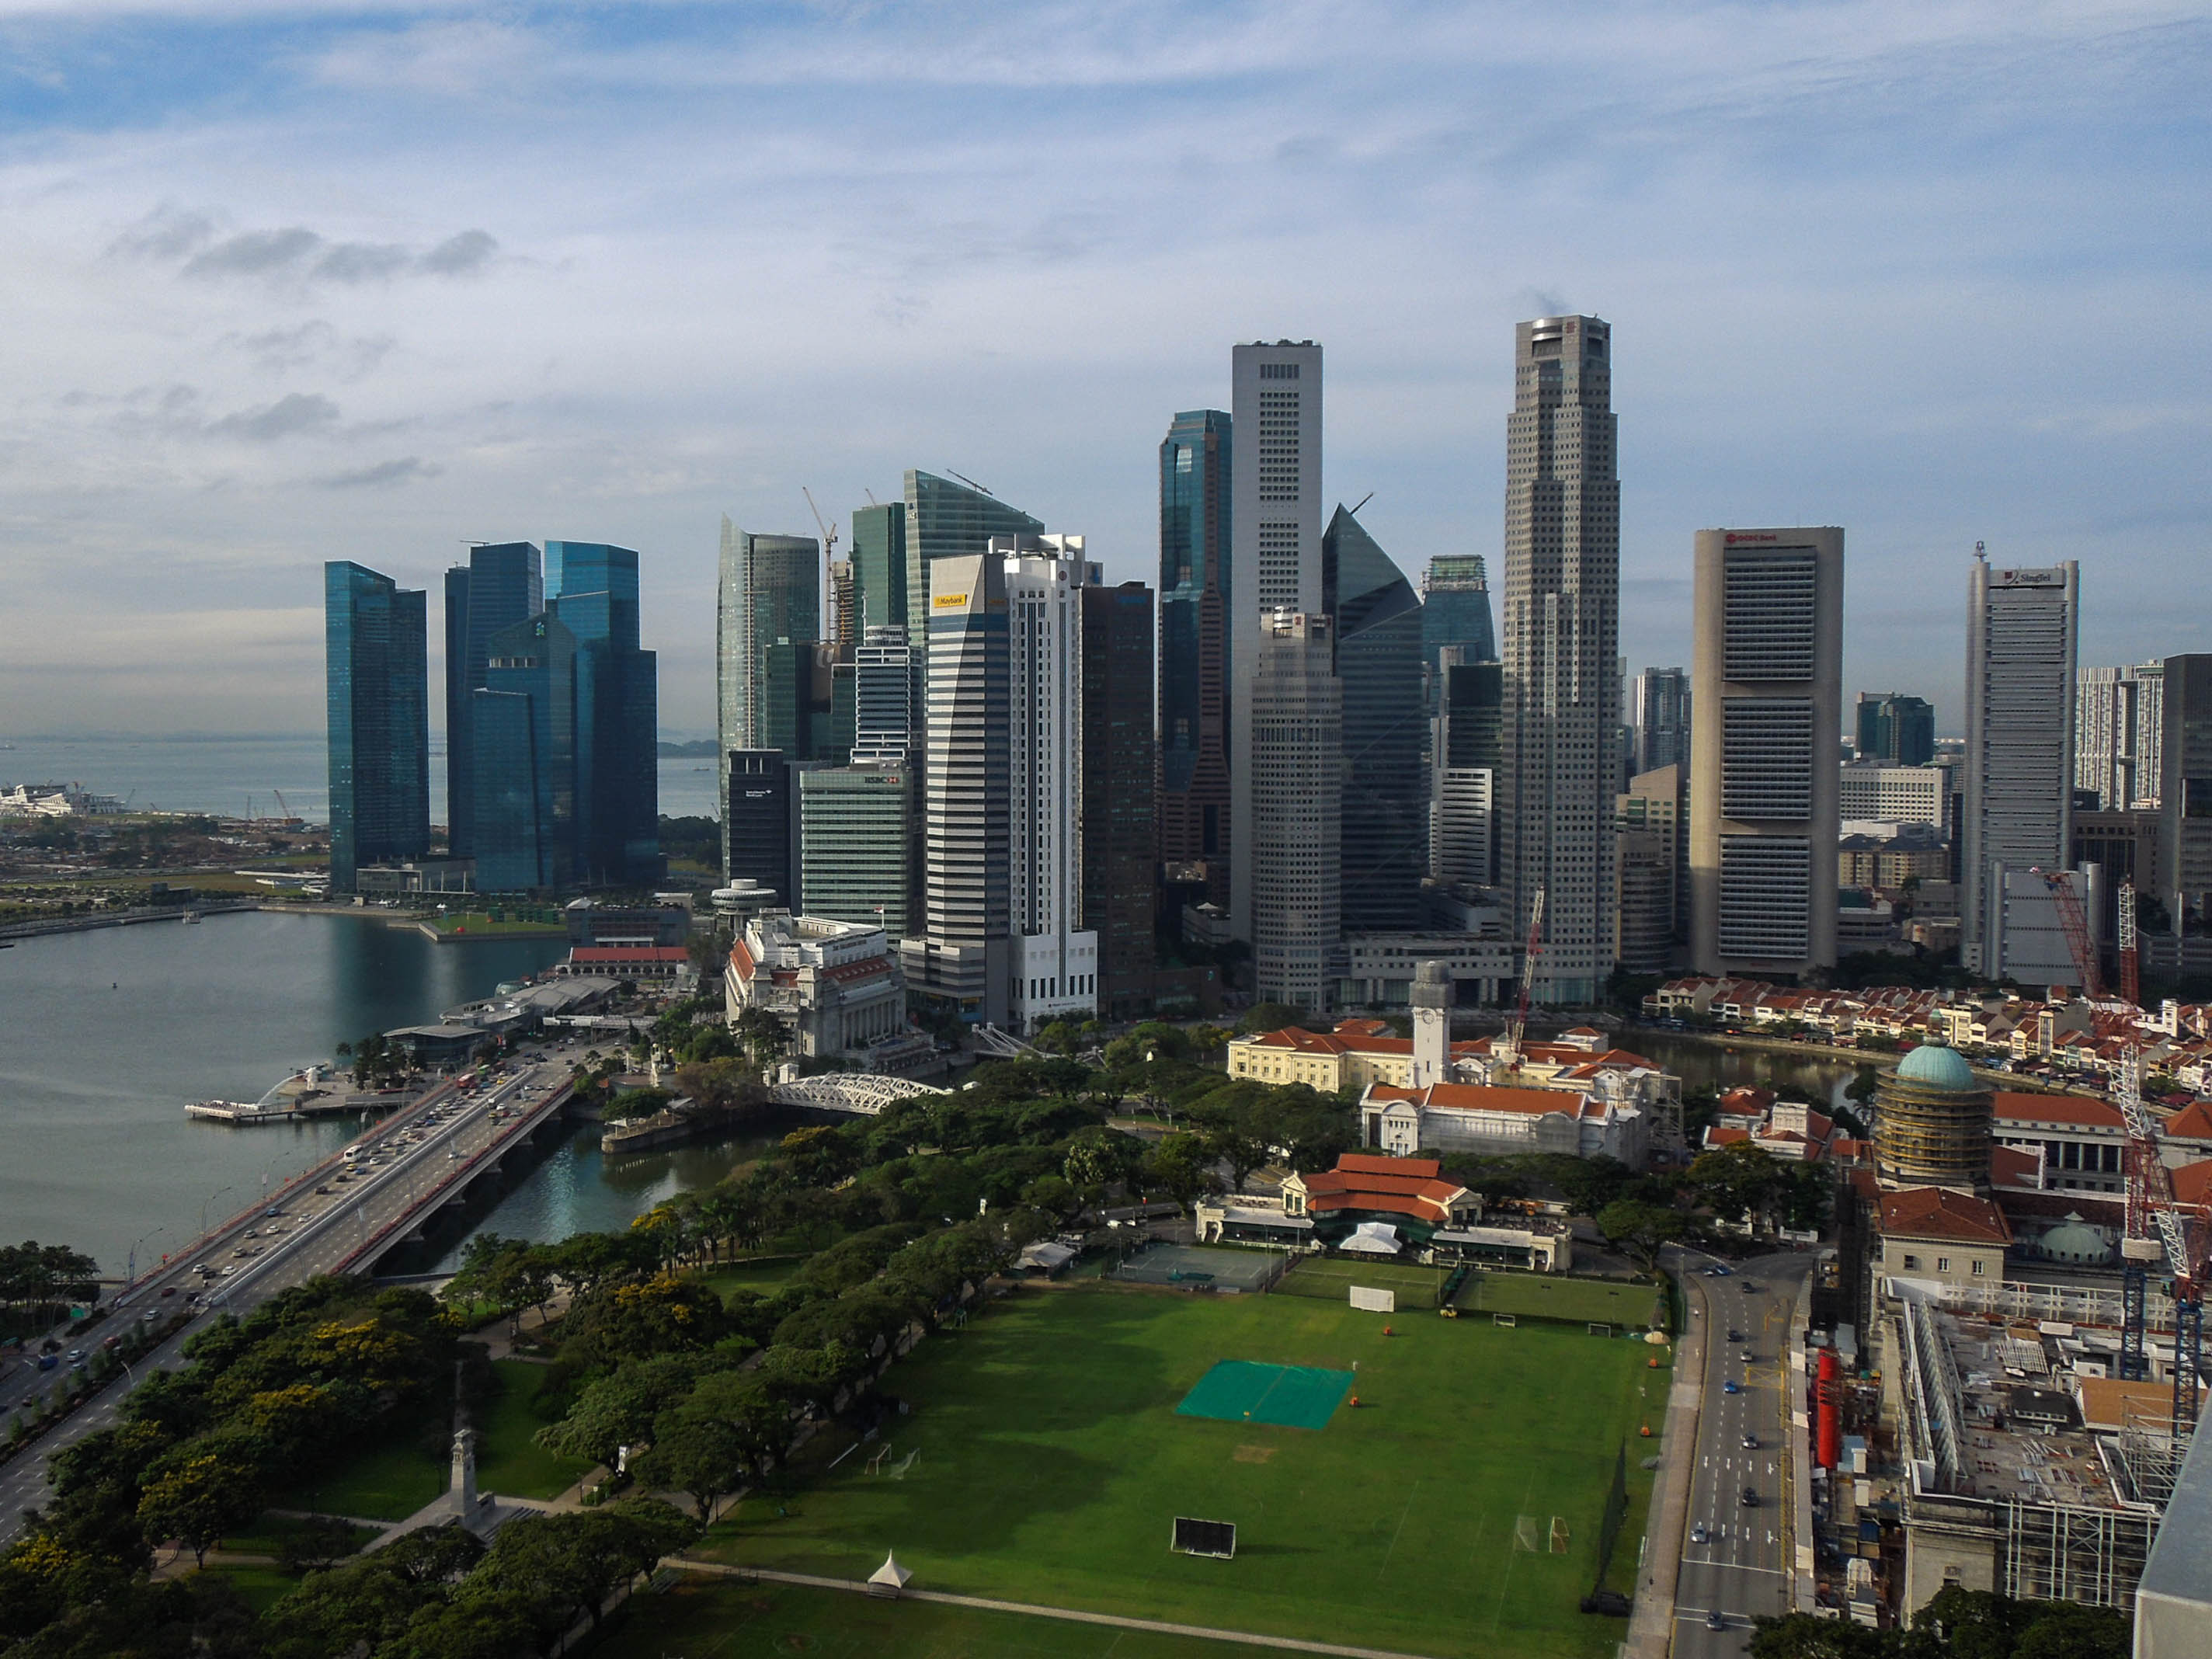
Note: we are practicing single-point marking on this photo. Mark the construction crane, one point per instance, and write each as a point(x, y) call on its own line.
point(1519, 1025)
point(283, 809)
point(828, 530)
point(2130, 968)
point(2076, 926)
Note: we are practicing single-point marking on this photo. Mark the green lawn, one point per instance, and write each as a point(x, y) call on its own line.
point(260, 1587)
point(1049, 1462)
point(268, 1534)
point(766, 1277)
point(706, 1617)
point(387, 1480)
point(1332, 1278)
point(509, 1458)
point(1547, 1296)
point(479, 924)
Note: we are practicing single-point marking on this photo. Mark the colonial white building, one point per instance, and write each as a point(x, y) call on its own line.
point(834, 987)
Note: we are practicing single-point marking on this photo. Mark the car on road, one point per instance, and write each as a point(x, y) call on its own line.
point(1701, 1533)
point(168, 1290)
point(1747, 1359)
point(1715, 1619)
point(272, 1212)
point(1750, 1498)
point(322, 1191)
point(1735, 1336)
point(1750, 1289)
point(1729, 1386)
point(1751, 1442)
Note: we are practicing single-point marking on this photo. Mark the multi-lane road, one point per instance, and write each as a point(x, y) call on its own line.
point(1736, 1548)
point(327, 1217)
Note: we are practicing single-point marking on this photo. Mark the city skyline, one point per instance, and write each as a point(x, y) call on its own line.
point(266, 323)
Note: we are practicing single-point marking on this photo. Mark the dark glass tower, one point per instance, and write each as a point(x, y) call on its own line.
point(525, 720)
point(592, 588)
point(1386, 797)
point(880, 571)
point(500, 585)
point(760, 817)
point(1119, 899)
point(377, 686)
point(1456, 609)
point(1194, 650)
point(1895, 728)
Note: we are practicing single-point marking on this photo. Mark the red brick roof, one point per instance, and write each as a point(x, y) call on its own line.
point(2192, 1122)
point(630, 953)
point(1426, 1169)
point(1401, 1186)
point(1482, 1098)
point(2014, 1166)
point(741, 960)
point(2192, 1183)
point(1940, 1213)
point(2077, 1110)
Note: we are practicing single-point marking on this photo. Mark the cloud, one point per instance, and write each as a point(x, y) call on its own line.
point(294, 252)
point(299, 415)
point(461, 255)
point(255, 253)
point(165, 233)
point(406, 470)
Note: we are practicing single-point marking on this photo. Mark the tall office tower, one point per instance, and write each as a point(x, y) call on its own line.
point(1663, 718)
point(2185, 789)
point(2022, 626)
point(1647, 819)
point(1767, 665)
point(524, 719)
point(1456, 609)
point(501, 584)
point(883, 717)
point(593, 589)
point(957, 964)
point(879, 570)
point(1294, 850)
point(1053, 966)
point(376, 635)
point(768, 604)
point(759, 822)
point(1895, 729)
point(858, 858)
point(2120, 726)
point(1120, 828)
point(1194, 666)
point(844, 608)
point(1385, 809)
point(833, 711)
point(945, 520)
point(1274, 563)
point(1462, 811)
point(1562, 625)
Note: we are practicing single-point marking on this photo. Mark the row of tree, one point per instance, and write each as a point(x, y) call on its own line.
point(38, 1283)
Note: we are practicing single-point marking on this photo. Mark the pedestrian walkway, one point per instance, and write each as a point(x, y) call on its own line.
point(1651, 1625)
point(1157, 1627)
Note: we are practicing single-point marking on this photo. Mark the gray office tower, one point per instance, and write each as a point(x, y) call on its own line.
point(2021, 628)
point(1663, 718)
point(1385, 806)
point(768, 615)
point(2185, 790)
point(1275, 554)
point(1195, 671)
point(1767, 654)
point(503, 583)
point(1560, 727)
point(376, 635)
point(1293, 851)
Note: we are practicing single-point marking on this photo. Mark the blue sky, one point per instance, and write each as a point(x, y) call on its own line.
point(292, 282)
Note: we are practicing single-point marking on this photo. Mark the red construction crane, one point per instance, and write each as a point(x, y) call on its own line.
point(2076, 926)
point(1519, 1024)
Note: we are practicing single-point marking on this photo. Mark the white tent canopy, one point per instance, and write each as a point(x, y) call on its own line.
point(891, 1573)
point(1373, 1238)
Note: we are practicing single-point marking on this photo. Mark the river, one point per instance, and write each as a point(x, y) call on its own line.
point(1819, 1079)
point(105, 1035)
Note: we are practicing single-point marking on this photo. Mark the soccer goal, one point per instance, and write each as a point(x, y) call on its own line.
point(1214, 1539)
point(1598, 1328)
point(1374, 1301)
point(1504, 1319)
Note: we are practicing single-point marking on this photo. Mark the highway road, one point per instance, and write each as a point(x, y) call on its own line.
point(1737, 1556)
point(327, 1216)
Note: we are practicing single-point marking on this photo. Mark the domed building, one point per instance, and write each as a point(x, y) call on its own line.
point(1932, 1122)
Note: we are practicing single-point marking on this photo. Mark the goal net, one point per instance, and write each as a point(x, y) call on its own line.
point(1374, 1301)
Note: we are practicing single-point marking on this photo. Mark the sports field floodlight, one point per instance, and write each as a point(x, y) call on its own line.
point(1215, 1539)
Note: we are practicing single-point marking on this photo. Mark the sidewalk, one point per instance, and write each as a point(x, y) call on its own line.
point(1651, 1626)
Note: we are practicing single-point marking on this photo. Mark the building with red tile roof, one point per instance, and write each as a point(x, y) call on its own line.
point(834, 987)
point(1498, 1121)
point(627, 961)
point(1939, 1233)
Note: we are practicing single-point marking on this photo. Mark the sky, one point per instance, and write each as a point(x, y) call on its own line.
point(285, 281)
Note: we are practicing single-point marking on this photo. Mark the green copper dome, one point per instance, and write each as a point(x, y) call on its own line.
point(1934, 1066)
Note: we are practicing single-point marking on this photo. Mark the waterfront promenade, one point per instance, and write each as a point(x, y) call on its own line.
point(406, 1169)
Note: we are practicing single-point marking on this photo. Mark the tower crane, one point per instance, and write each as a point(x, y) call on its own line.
point(1519, 1025)
point(828, 530)
point(2130, 968)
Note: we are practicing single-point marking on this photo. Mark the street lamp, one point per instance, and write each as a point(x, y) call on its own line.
point(131, 1269)
point(208, 1200)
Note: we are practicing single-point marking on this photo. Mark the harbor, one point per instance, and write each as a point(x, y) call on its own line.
point(318, 1090)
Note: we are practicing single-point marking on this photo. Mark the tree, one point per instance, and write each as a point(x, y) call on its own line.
point(488, 1625)
point(200, 1499)
point(1643, 1229)
point(322, 1541)
point(433, 1555)
point(564, 1566)
point(1801, 1636)
point(695, 1454)
point(1182, 1167)
point(1099, 1160)
point(617, 1410)
point(1736, 1181)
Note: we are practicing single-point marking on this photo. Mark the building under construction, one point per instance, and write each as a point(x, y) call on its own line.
point(1933, 1119)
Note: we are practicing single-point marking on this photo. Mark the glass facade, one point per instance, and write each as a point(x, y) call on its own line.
point(860, 849)
point(1386, 796)
point(1120, 896)
point(376, 637)
point(1195, 668)
point(503, 584)
point(879, 570)
point(1896, 728)
point(1456, 609)
point(945, 520)
point(757, 811)
point(593, 587)
point(523, 719)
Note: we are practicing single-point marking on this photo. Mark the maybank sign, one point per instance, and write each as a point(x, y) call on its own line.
point(947, 601)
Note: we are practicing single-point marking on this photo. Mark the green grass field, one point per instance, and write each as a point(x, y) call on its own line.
point(387, 1480)
point(508, 1457)
point(260, 1588)
point(1332, 1278)
point(765, 1277)
point(1547, 1296)
point(704, 1618)
point(1052, 1461)
point(269, 1533)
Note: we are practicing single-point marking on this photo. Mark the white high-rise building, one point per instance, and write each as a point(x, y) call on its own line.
point(883, 697)
point(1870, 793)
point(1296, 856)
point(2021, 628)
point(2119, 727)
point(1561, 734)
point(1275, 550)
point(1767, 673)
point(1052, 964)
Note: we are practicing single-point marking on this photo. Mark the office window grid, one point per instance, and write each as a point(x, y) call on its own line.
point(1766, 758)
point(1766, 888)
point(1771, 620)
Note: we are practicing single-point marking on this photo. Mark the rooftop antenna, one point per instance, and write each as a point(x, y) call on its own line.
point(1982, 551)
point(970, 482)
point(1363, 500)
point(465, 542)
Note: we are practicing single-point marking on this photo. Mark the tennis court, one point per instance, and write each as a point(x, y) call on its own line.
point(1333, 1276)
point(1187, 1267)
point(1244, 1391)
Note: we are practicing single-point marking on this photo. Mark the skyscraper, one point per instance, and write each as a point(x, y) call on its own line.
point(376, 639)
point(1561, 724)
point(2119, 728)
point(1896, 729)
point(501, 584)
point(1292, 861)
point(858, 854)
point(523, 719)
point(2022, 626)
point(1275, 558)
point(1377, 623)
point(758, 821)
point(1194, 666)
point(1462, 811)
point(882, 722)
point(1456, 609)
point(879, 566)
point(2185, 790)
point(593, 588)
point(1647, 819)
point(1118, 830)
point(1663, 718)
point(1767, 659)
point(768, 615)
point(945, 520)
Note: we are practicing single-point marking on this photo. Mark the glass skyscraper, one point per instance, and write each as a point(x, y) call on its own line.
point(1386, 796)
point(1456, 609)
point(945, 520)
point(501, 584)
point(879, 570)
point(1195, 673)
point(376, 637)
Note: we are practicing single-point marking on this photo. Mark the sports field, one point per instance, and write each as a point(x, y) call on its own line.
point(1547, 1296)
point(1332, 1277)
point(1046, 1461)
